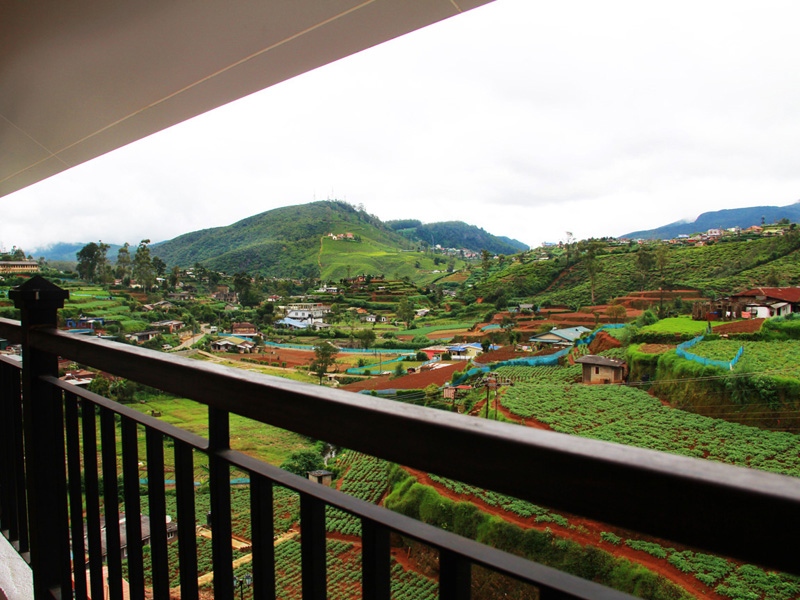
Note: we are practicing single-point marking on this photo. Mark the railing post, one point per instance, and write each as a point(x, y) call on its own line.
point(39, 301)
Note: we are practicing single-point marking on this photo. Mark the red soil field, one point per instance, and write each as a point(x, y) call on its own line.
point(750, 326)
point(656, 348)
point(414, 381)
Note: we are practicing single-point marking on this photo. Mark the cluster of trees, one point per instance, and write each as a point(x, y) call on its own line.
point(94, 265)
point(15, 254)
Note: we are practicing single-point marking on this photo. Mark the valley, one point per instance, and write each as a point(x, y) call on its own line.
point(706, 335)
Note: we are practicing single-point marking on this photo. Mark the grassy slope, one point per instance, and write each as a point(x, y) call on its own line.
point(374, 256)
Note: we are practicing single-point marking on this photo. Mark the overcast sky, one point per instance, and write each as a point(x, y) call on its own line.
point(528, 119)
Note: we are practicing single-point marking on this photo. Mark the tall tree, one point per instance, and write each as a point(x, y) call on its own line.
point(366, 337)
point(645, 261)
point(405, 311)
point(159, 266)
point(324, 357)
point(174, 277)
point(105, 273)
point(662, 261)
point(593, 266)
point(92, 262)
point(124, 262)
point(485, 257)
point(87, 261)
point(143, 271)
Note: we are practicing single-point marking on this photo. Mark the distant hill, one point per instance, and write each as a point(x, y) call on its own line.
point(722, 219)
point(456, 234)
point(284, 242)
point(64, 251)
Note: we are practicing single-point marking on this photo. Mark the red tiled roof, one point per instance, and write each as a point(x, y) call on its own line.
point(790, 294)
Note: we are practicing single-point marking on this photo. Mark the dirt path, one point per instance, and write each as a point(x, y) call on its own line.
point(209, 577)
point(585, 533)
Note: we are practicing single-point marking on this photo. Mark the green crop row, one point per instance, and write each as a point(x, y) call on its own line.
point(630, 416)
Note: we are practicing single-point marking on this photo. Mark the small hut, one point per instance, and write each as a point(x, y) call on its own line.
point(600, 369)
point(321, 476)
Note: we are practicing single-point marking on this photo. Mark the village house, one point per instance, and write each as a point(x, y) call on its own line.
point(601, 369)
point(141, 336)
point(559, 337)
point(291, 323)
point(243, 328)
point(185, 295)
point(172, 534)
point(80, 377)
point(465, 351)
point(434, 351)
point(18, 266)
point(765, 302)
point(233, 344)
point(84, 322)
point(224, 294)
point(370, 318)
point(169, 325)
point(163, 305)
point(310, 312)
point(321, 476)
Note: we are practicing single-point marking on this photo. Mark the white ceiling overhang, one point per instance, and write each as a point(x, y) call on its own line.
point(80, 78)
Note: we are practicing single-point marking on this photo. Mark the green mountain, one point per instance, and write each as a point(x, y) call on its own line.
point(285, 242)
point(456, 234)
point(295, 241)
point(721, 219)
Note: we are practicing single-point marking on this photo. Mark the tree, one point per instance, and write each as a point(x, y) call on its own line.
point(242, 282)
point(87, 261)
point(124, 262)
point(568, 245)
point(366, 337)
point(616, 312)
point(324, 357)
point(174, 277)
point(92, 262)
point(645, 261)
point(143, 266)
point(485, 257)
point(592, 264)
point(303, 461)
point(159, 266)
point(405, 311)
point(507, 324)
point(662, 262)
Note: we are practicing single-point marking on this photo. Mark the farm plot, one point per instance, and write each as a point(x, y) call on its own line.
point(344, 574)
point(632, 417)
point(366, 478)
point(570, 374)
point(763, 358)
point(680, 325)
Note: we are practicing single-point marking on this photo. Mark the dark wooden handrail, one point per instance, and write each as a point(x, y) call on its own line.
point(733, 511)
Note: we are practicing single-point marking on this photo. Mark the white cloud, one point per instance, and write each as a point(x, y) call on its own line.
point(527, 119)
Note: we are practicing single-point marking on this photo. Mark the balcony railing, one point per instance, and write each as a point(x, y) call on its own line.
point(50, 500)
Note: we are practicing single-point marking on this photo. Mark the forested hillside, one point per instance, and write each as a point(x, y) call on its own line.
point(456, 234)
point(284, 242)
